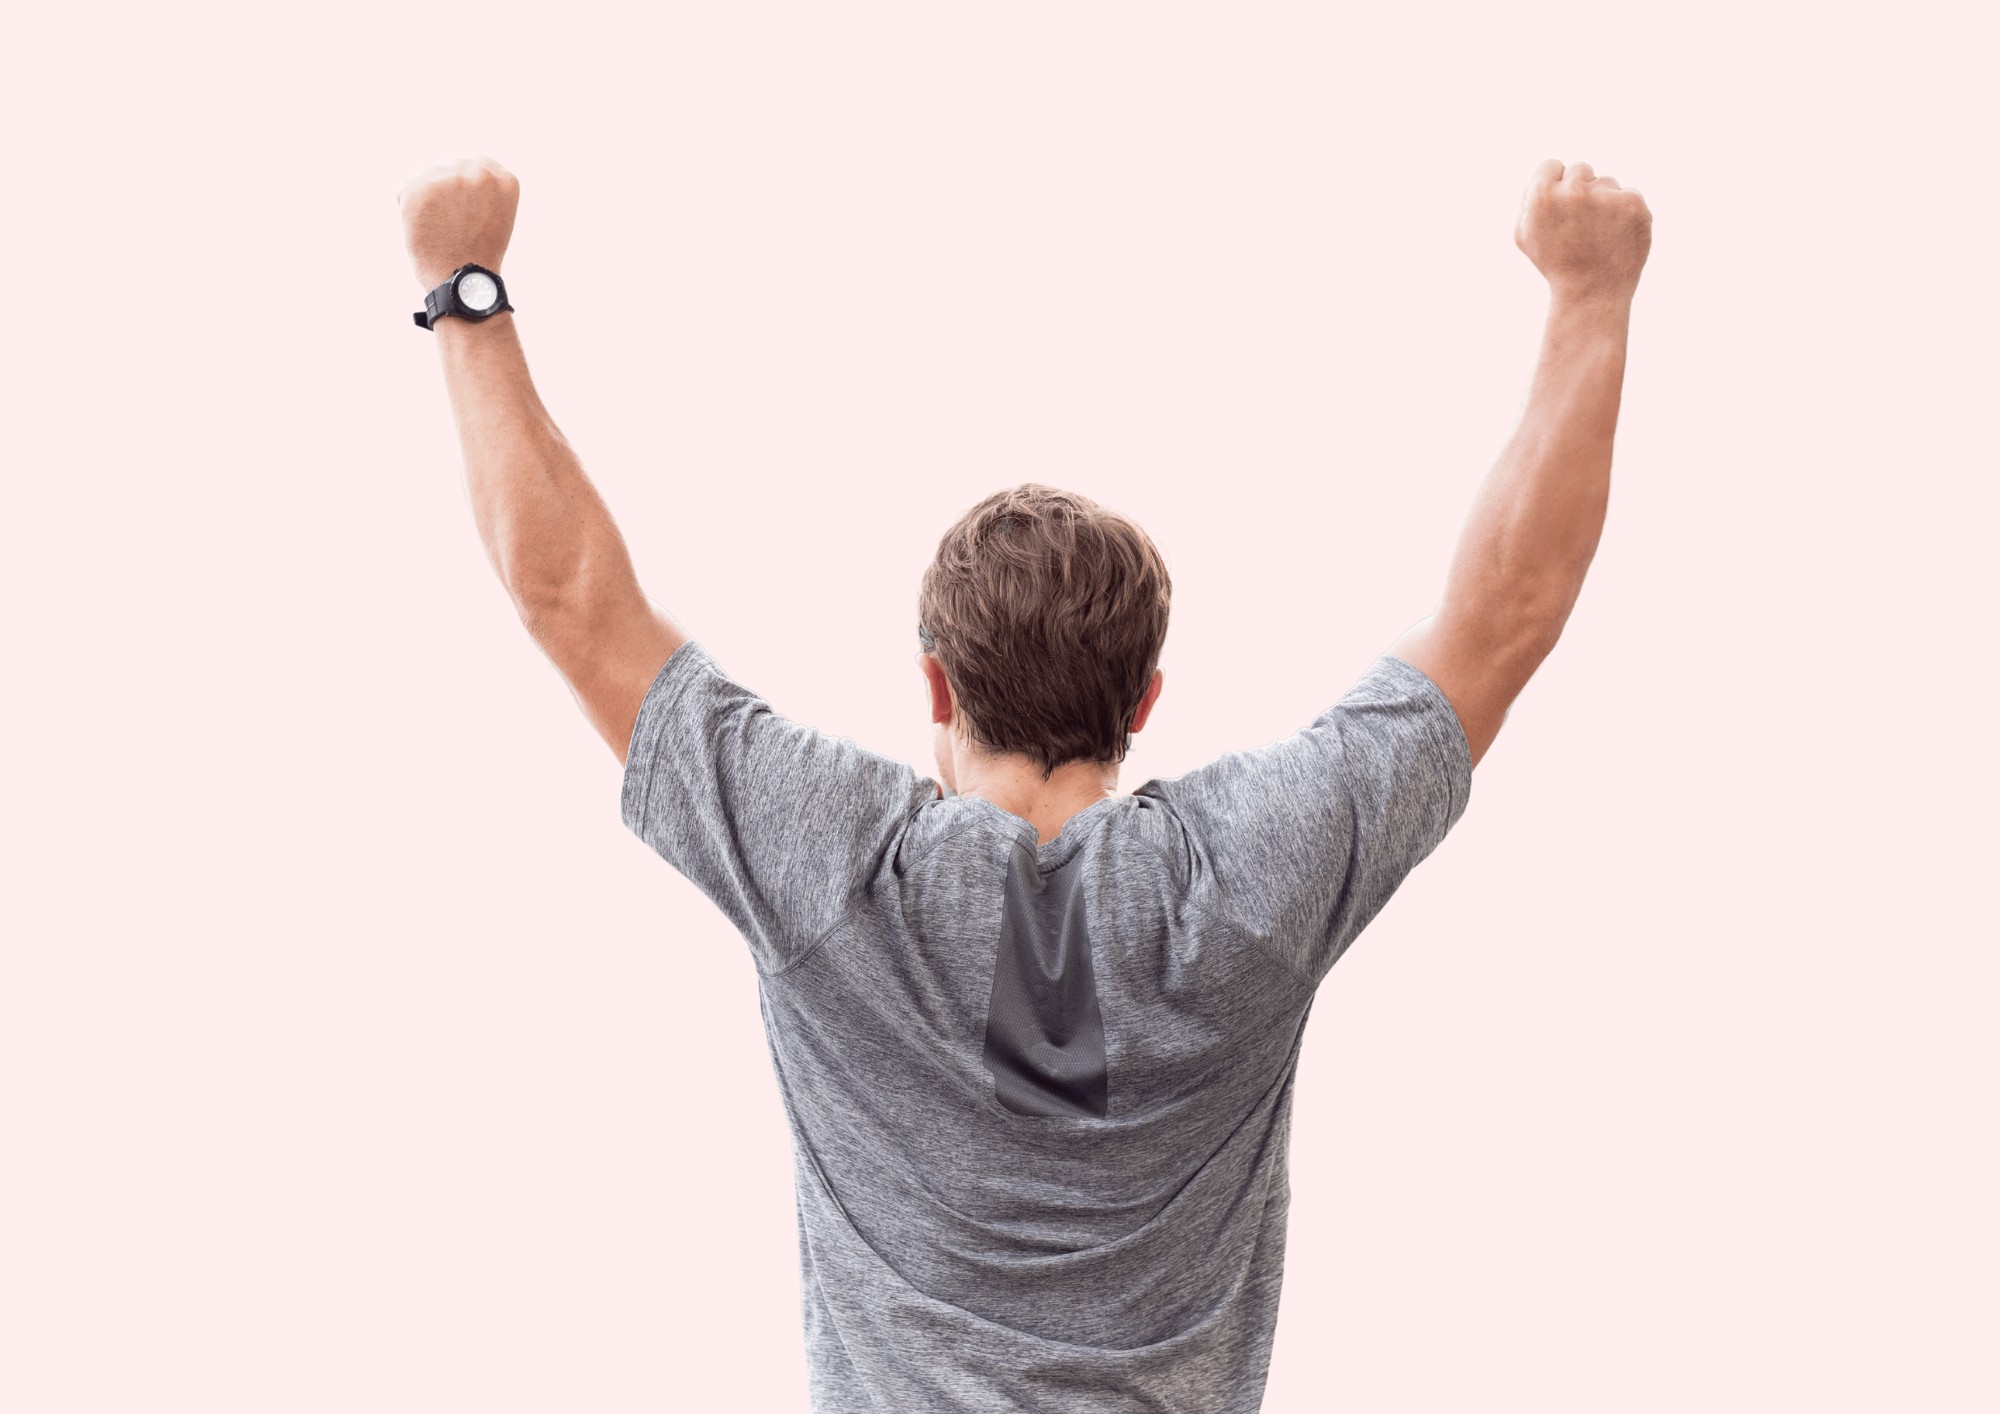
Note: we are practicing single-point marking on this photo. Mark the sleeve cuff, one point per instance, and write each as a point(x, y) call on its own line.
point(655, 712)
point(1446, 731)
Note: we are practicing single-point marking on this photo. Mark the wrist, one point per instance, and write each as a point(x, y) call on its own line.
point(1611, 308)
point(466, 333)
point(432, 273)
point(471, 292)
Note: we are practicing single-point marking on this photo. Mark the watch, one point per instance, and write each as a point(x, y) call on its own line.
point(473, 292)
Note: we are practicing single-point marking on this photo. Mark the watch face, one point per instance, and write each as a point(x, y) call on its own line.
point(477, 292)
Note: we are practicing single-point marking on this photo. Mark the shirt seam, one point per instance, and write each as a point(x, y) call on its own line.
point(1186, 895)
point(1449, 750)
point(847, 914)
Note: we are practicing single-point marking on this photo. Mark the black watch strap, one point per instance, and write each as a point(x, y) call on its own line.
point(444, 301)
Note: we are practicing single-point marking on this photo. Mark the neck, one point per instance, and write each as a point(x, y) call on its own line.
point(1015, 784)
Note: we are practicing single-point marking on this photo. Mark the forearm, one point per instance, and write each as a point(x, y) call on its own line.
point(1536, 518)
point(548, 534)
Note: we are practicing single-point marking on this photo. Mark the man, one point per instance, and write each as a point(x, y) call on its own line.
point(1035, 1038)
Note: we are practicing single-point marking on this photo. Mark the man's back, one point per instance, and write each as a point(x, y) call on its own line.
point(1039, 1094)
point(1036, 1042)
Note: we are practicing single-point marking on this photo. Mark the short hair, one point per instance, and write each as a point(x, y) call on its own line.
point(1048, 613)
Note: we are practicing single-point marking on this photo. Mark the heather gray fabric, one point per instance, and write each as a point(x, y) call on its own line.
point(958, 1254)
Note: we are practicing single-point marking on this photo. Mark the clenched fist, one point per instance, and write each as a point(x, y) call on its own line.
point(1586, 234)
point(458, 213)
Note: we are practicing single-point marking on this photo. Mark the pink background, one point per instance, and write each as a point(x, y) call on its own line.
point(353, 1057)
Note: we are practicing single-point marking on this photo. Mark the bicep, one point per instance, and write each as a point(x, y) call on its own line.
point(1480, 663)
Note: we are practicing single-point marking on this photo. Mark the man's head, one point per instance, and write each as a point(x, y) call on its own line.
point(1047, 613)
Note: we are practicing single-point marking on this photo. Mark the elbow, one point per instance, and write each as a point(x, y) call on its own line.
point(555, 613)
point(1536, 624)
point(1537, 616)
point(572, 599)
point(1515, 648)
point(555, 619)
point(539, 598)
point(1515, 628)
point(547, 584)
point(573, 616)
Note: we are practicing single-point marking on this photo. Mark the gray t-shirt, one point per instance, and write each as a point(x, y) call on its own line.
point(1040, 1096)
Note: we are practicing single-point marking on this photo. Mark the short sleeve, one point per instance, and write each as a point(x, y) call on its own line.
point(1301, 843)
point(780, 825)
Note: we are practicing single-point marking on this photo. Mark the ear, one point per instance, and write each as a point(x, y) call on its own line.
point(1145, 707)
point(941, 701)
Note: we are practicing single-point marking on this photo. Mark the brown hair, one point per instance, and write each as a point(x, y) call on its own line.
point(1048, 613)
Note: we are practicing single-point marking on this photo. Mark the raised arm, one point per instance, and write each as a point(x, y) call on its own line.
point(548, 533)
point(1535, 519)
